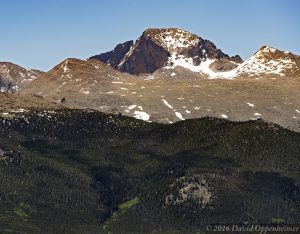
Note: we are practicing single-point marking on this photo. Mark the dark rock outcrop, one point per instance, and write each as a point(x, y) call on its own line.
point(146, 57)
point(222, 65)
point(115, 56)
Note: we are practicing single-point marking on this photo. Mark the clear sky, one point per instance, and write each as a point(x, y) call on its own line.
point(41, 33)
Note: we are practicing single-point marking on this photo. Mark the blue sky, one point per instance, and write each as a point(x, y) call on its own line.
point(41, 33)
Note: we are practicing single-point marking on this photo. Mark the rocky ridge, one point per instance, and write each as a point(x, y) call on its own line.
point(15, 77)
point(270, 61)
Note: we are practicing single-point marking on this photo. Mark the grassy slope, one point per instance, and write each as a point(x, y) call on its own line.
point(87, 172)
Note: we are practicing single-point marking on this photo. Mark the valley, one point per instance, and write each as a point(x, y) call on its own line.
point(89, 172)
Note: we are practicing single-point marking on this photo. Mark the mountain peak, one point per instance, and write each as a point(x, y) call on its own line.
point(268, 49)
point(172, 38)
point(270, 61)
point(273, 52)
point(16, 75)
point(70, 66)
point(164, 47)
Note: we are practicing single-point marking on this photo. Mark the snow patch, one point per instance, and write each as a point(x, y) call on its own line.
point(126, 56)
point(65, 68)
point(84, 91)
point(204, 67)
point(141, 115)
point(173, 40)
point(179, 116)
point(131, 107)
point(167, 104)
point(21, 110)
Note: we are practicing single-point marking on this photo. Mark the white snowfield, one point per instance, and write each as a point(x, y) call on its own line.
point(204, 67)
point(260, 63)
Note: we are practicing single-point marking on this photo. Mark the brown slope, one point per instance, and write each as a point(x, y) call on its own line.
point(79, 83)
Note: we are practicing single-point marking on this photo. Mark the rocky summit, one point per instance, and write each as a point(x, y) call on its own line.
point(157, 48)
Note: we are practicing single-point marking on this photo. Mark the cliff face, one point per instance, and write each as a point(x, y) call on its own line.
point(115, 56)
point(146, 56)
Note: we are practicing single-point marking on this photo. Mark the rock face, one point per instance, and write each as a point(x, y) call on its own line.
point(115, 56)
point(14, 77)
point(222, 65)
point(169, 47)
point(144, 57)
point(197, 188)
